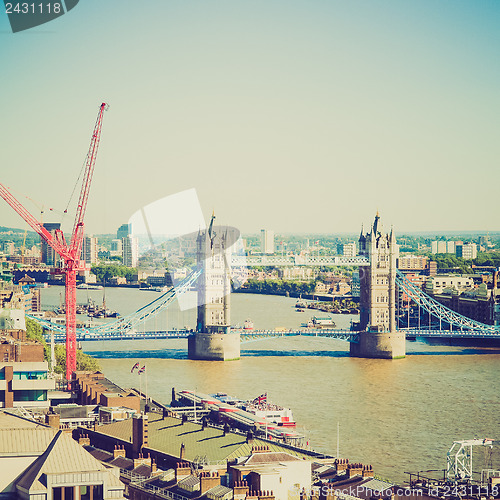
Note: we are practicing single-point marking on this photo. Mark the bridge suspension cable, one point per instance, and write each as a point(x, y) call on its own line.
point(438, 310)
point(130, 321)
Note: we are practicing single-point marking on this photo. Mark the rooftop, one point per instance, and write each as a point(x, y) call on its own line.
point(167, 435)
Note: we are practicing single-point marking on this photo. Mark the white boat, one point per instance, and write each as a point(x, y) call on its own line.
point(86, 286)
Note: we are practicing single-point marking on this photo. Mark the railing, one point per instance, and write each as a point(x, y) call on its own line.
point(161, 492)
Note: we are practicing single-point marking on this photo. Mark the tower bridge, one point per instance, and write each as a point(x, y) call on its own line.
point(375, 336)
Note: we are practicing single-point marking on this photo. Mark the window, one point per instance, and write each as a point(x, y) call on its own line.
point(69, 493)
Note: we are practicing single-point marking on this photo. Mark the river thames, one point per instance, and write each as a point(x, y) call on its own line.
point(400, 415)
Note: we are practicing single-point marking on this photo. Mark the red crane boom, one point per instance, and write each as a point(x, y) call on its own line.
point(70, 254)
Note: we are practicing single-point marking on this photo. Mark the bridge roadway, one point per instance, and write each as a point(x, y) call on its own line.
point(297, 260)
point(254, 335)
point(246, 336)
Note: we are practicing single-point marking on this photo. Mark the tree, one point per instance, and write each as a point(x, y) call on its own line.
point(84, 362)
point(35, 332)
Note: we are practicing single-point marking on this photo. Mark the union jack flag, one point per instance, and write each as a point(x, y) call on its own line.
point(260, 399)
point(142, 370)
point(136, 366)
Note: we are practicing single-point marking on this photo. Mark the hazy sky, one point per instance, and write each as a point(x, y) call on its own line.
point(294, 115)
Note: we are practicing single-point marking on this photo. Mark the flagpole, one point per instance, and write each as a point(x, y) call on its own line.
point(140, 389)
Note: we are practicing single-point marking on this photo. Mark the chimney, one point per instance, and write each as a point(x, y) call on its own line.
point(182, 470)
point(83, 440)
point(266, 495)
point(53, 419)
point(240, 490)
point(341, 464)
point(354, 470)
point(250, 438)
point(119, 451)
point(260, 449)
point(142, 460)
point(139, 433)
point(154, 468)
point(208, 480)
point(368, 471)
point(182, 451)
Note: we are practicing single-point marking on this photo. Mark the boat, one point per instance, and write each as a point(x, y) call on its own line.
point(86, 286)
point(321, 322)
point(270, 412)
point(259, 415)
point(248, 325)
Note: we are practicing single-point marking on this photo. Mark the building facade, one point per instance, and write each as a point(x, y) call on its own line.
point(130, 251)
point(89, 250)
point(267, 241)
point(48, 254)
point(25, 384)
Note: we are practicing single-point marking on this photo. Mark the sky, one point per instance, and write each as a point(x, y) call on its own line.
point(290, 115)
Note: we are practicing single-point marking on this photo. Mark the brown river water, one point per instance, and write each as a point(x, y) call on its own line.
point(400, 415)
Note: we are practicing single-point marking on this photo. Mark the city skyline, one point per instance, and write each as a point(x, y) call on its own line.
point(301, 117)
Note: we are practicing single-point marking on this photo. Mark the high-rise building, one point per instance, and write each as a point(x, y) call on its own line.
point(467, 251)
point(412, 262)
point(89, 250)
point(49, 255)
point(130, 251)
point(266, 241)
point(123, 231)
point(438, 246)
point(450, 247)
point(349, 249)
point(116, 248)
point(8, 247)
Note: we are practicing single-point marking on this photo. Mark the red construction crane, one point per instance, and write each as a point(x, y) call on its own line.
point(70, 254)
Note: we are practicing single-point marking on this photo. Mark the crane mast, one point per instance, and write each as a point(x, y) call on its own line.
point(70, 254)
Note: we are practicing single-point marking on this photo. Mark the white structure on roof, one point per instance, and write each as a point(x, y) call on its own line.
point(283, 474)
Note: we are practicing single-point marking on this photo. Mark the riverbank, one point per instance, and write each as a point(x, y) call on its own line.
point(324, 297)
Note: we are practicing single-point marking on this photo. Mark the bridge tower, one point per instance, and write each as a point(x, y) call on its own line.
point(213, 339)
point(379, 337)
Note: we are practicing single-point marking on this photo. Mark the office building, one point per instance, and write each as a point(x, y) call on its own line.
point(412, 262)
point(123, 231)
point(89, 250)
point(130, 251)
point(267, 241)
point(349, 249)
point(467, 251)
point(116, 248)
point(49, 256)
point(438, 246)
